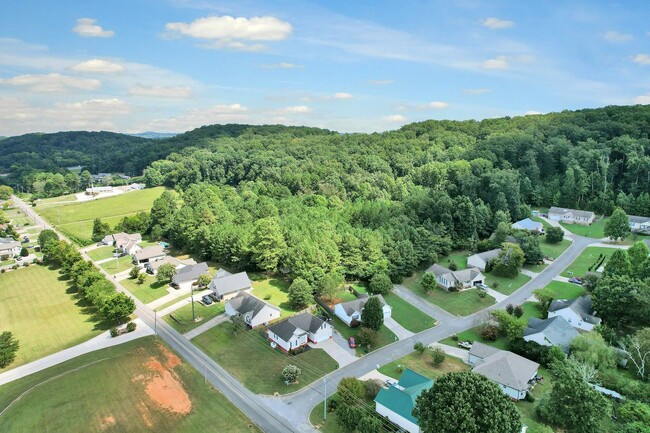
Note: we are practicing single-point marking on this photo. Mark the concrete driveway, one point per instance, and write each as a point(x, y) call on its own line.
point(397, 329)
point(339, 354)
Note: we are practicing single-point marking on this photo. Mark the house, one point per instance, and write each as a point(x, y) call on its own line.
point(447, 278)
point(513, 373)
point(576, 311)
point(529, 225)
point(9, 248)
point(127, 243)
point(254, 311)
point(571, 216)
point(639, 224)
point(188, 275)
point(94, 190)
point(351, 310)
point(145, 255)
point(229, 286)
point(136, 186)
point(298, 330)
point(153, 265)
point(481, 260)
point(554, 331)
point(398, 400)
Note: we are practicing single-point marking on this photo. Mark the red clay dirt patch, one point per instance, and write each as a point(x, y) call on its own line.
point(172, 360)
point(166, 390)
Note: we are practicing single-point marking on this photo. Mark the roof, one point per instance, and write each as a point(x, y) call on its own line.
point(528, 224)
point(155, 264)
point(638, 219)
point(356, 305)
point(8, 243)
point(581, 306)
point(575, 212)
point(190, 273)
point(126, 237)
point(489, 255)
point(303, 322)
point(149, 252)
point(230, 283)
point(461, 276)
point(401, 398)
point(507, 368)
point(244, 303)
point(556, 330)
point(482, 350)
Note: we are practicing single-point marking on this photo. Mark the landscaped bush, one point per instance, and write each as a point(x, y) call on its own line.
point(354, 323)
point(130, 327)
point(481, 293)
point(114, 332)
point(297, 351)
point(437, 356)
point(490, 332)
point(454, 337)
point(518, 311)
point(14, 267)
point(419, 347)
point(452, 266)
point(366, 337)
point(25, 264)
point(372, 387)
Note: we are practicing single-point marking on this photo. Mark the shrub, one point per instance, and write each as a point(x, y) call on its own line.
point(332, 404)
point(14, 267)
point(114, 332)
point(510, 308)
point(518, 311)
point(134, 272)
point(428, 282)
point(25, 264)
point(454, 337)
point(372, 388)
point(141, 278)
point(366, 337)
point(290, 373)
point(297, 351)
point(437, 356)
point(419, 347)
point(24, 252)
point(452, 266)
point(490, 332)
point(495, 284)
point(130, 327)
point(354, 323)
point(2, 271)
point(554, 235)
point(481, 293)
point(529, 397)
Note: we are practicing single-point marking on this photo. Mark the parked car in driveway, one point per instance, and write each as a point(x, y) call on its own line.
point(576, 280)
point(206, 299)
point(352, 343)
point(465, 344)
point(482, 286)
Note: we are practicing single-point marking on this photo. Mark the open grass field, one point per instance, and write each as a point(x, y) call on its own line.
point(474, 334)
point(249, 357)
point(595, 230)
point(101, 253)
point(505, 285)
point(564, 290)
point(275, 291)
point(116, 266)
point(139, 386)
point(384, 336)
point(44, 318)
point(554, 250)
point(458, 303)
point(76, 219)
point(184, 315)
point(407, 315)
point(61, 198)
point(581, 264)
point(457, 257)
point(421, 363)
point(148, 291)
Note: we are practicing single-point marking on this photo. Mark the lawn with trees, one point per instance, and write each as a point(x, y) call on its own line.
point(182, 318)
point(147, 291)
point(591, 257)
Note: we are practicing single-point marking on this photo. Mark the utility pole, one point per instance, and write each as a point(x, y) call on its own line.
point(192, 299)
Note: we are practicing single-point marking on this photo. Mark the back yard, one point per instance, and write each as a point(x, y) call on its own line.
point(587, 259)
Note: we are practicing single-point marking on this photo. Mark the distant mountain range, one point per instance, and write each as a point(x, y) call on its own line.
point(155, 135)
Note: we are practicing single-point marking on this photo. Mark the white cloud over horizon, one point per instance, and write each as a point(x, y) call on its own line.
point(88, 28)
point(98, 65)
point(173, 92)
point(614, 36)
point(398, 118)
point(641, 59)
point(497, 23)
point(51, 83)
point(499, 63)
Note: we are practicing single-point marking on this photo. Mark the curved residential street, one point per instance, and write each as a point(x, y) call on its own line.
point(291, 412)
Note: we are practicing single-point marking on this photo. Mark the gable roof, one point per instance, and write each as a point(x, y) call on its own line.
point(230, 283)
point(190, 273)
point(638, 219)
point(244, 303)
point(155, 264)
point(149, 252)
point(527, 224)
point(307, 323)
point(581, 306)
point(356, 305)
point(507, 368)
point(461, 276)
point(556, 330)
point(482, 350)
point(489, 255)
point(575, 212)
point(8, 243)
point(400, 398)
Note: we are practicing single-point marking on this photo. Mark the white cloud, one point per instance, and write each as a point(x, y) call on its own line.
point(475, 91)
point(88, 28)
point(497, 23)
point(301, 109)
point(642, 99)
point(98, 65)
point(174, 92)
point(395, 118)
point(438, 104)
point(614, 36)
point(343, 95)
point(380, 82)
point(51, 83)
point(281, 65)
point(226, 32)
point(497, 63)
point(641, 59)
point(532, 113)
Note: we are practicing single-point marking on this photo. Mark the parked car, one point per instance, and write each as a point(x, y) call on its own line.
point(206, 299)
point(352, 343)
point(18, 258)
point(482, 286)
point(214, 297)
point(576, 280)
point(465, 344)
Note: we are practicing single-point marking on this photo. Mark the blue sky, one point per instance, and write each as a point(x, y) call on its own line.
point(351, 66)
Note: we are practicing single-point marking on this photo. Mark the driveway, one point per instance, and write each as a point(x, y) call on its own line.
point(453, 351)
point(206, 326)
point(496, 295)
point(338, 353)
point(397, 329)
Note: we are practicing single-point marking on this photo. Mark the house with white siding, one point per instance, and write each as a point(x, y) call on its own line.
point(298, 331)
point(571, 216)
point(481, 260)
point(446, 278)
point(351, 310)
point(639, 224)
point(254, 311)
point(577, 312)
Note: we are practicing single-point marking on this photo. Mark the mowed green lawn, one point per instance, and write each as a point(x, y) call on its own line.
point(101, 253)
point(275, 291)
point(44, 318)
point(384, 336)
point(249, 357)
point(505, 285)
point(421, 363)
point(458, 303)
point(589, 256)
point(184, 315)
point(117, 265)
point(76, 219)
point(562, 290)
point(595, 230)
point(407, 315)
point(139, 386)
point(148, 291)
point(474, 334)
point(554, 250)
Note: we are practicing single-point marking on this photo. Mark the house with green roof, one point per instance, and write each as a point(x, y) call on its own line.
point(398, 400)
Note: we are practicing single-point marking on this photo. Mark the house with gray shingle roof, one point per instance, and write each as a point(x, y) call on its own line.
point(639, 224)
point(226, 286)
point(571, 216)
point(185, 277)
point(577, 312)
point(554, 331)
point(446, 278)
point(398, 400)
point(351, 310)
point(298, 331)
point(529, 225)
point(254, 311)
point(145, 255)
point(481, 260)
point(9, 248)
point(513, 373)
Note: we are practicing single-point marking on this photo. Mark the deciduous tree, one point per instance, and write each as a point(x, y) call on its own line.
point(380, 283)
point(372, 315)
point(617, 226)
point(300, 293)
point(554, 235)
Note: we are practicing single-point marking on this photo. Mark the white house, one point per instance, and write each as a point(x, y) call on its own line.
point(226, 286)
point(9, 248)
point(447, 278)
point(571, 216)
point(254, 311)
point(148, 254)
point(577, 312)
point(481, 260)
point(351, 310)
point(554, 331)
point(398, 400)
point(186, 276)
point(152, 266)
point(639, 224)
point(513, 373)
point(94, 190)
point(298, 330)
point(529, 225)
